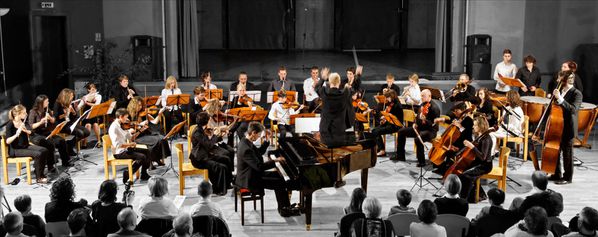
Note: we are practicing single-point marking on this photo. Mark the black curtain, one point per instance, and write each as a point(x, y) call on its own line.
point(367, 24)
point(258, 24)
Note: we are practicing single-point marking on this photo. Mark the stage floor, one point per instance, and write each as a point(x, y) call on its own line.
point(384, 180)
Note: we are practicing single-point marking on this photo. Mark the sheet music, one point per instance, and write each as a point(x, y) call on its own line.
point(178, 201)
point(255, 95)
point(84, 115)
point(112, 106)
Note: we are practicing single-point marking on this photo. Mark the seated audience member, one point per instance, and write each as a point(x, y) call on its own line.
point(156, 206)
point(451, 203)
point(493, 219)
point(61, 205)
point(105, 209)
point(535, 223)
point(357, 198)
point(515, 204)
point(551, 201)
point(372, 225)
point(77, 221)
point(183, 226)
point(404, 198)
point(23, 205)
point(496, 198)
point(127, 221)
point(587, 223)
point(13, 224)
point(427, 213)
point(205, 206)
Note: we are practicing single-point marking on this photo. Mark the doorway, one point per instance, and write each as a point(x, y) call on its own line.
point(50, 54)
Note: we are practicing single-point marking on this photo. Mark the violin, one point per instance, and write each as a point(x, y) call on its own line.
point(288, 105)
point(246, 100)
point(361, 105)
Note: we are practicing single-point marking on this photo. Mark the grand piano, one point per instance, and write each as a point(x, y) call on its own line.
point(310, 165)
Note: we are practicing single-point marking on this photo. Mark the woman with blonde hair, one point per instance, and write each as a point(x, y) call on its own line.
point(17, 140)
point(157, 205)
point(172, 113)
point(512, 120)
point(412, 93)
point(157, 146)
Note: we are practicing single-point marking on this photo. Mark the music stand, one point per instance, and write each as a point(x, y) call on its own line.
point(437, 94)
point(302, 115)
point(273, 96)
point(169, 136)
point(256, 96)
point(253, 115)
point(177, 100)
point(56, 130)
point(214, 94)
point(512, 82)
point(151, 100)
point(98, 110)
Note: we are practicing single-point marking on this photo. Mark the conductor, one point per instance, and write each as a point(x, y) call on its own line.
point(337, 115)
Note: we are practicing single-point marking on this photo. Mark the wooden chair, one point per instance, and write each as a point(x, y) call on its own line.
point(247, 195)
point(498, 173)
point(109, 160)
point(274, 129)
point(186, 168)
point(18, 161)
point(409, 117)
point(455, 225)
point(540, 92)
point(401, 222)
point(519, 140)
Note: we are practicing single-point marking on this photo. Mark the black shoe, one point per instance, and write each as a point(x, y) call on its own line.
point(554, 178)
point(420, 165)
point(284, 212)
point(562, 182)
point(72, 152)
point(125, 176)
point(145, 176)
point(289, 211)
point(67, 164)
point(160, 163)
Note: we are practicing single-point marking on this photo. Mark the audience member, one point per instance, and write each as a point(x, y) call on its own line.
point(127, 221)
point(77, 221)
point(13, 224)
point(493, 219)
point(23, 205)
point(535, 223)
point(205, 206)
point(427, 213)
point(183, 226)
point(105, 209)
point(587, 223)
point(451, 203)
point(61, 205)
point(497, 198)
point(357, 198)
point(404, 198)
point(156, 206)
point(2, 231)
point(551, 201)
point(372, 225)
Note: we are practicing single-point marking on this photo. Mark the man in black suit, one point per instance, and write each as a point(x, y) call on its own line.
point(425, 126)
point(337, 114)
point(123, 93)
point(243, 81)
point(251, 170)
point(569, 98)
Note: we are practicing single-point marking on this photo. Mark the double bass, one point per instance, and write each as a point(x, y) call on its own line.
point(553, 132)
point(445, 143)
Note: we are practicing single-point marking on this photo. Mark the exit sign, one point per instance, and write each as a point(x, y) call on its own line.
point(47, 4)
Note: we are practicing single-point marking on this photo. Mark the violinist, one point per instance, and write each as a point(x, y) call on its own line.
point(123, 148)
point(148, 129)
point(463, 91)
point(482, 164)
point(412, 93)
point(569, 98)
point(122, 93)
point(464, 124)
point(484, 106)
point(242, 80)
point(92, 98)
point(206, 155)
point(42, 123)
point(511, 123)
point(206, 80)
point(240, 100)
point(361, 110)
point(390, 85)
point(199, 101)
point(64, 110)
point(281, 112)
point(173, 113)
point(425, 126)
point(216, 122)
point(394, 107)
point(18, 143)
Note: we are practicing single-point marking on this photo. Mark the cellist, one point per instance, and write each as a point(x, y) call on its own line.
point(569, 99)
point(464, 124)
point(482, 163)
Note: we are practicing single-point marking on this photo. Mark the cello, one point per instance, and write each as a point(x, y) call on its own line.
point(444, 144)
point(464, 159)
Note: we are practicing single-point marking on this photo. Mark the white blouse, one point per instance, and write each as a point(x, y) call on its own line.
point(165, 94)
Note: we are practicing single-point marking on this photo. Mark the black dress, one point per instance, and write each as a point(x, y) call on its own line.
point(104, 217)
point(79, 131)
point(158, 146)
point(529, 78)
point(38, 136)
point(337, 115)
point(20, 147)
point(481, 165)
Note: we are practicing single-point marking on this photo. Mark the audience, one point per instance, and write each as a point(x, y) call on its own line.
point(494, 218)
point(105, 209)
point(13, 224)
point(23, 205)
point(551, 201)
point(451, 203)
point(62, 195)
point(357, 198)
point(77, 221)
point(587, 223)
point(427, 213)
point(127, 221)
point(497, 198)
point(404, 198)
point(372, 225)
point(183, 226)
point(156, 206)
point(535, 223)
point(205, 206)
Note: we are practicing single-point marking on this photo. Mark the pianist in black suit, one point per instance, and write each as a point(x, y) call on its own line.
point(252, 170)
point(337, 115)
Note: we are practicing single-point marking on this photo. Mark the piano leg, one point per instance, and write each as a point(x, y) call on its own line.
point(364, 179)
point(307, 209)
point(339, 182)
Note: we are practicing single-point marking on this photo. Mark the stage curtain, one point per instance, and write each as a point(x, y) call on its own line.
point(368, 24)
point(441, 37)
point(258, 24)
point(188, 38)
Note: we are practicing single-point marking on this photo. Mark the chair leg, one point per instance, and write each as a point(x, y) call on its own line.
point(130, 167)
point(19, 169)
point(236, 194)
point(113, 171)
point(28, 167)
point(5, 173)
point(242, 212)
point(254, 203)
point(525, 150)
point(106, 175)
point(477, 191)
point(181, 184)
point(517, 147)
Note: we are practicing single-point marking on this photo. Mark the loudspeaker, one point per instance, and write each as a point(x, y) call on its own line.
point(148, 50)
point(479, 71)
point(478, 48)
point(586, 56)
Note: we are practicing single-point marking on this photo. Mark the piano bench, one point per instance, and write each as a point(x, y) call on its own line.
point(247, 195)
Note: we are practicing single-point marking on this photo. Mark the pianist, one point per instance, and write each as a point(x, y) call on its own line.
point(252, 170)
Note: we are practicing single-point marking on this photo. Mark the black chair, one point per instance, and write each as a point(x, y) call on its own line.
point(209, 226)
point(345, 225)
point(154, 227)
